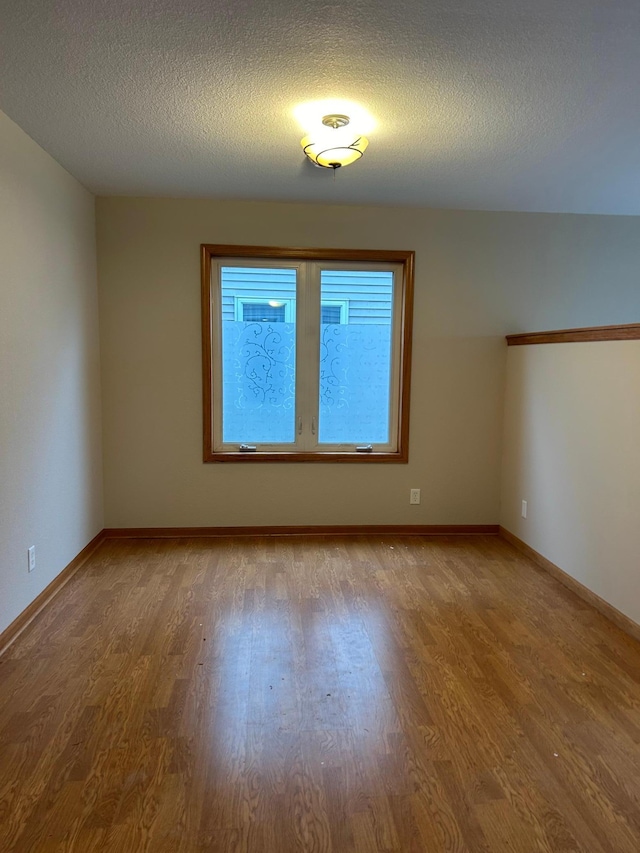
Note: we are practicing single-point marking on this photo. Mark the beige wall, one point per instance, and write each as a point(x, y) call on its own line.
point(478, 276)
point(50, 454)
point(572, 451)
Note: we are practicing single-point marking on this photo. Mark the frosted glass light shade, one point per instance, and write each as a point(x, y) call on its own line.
point(335, 149)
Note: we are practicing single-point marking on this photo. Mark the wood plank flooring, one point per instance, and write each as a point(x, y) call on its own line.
point(319, 694)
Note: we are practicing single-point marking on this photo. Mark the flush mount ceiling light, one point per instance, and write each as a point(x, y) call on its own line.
point(334, 145)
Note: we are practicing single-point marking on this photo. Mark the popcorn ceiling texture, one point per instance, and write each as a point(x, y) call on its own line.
point(486, 104)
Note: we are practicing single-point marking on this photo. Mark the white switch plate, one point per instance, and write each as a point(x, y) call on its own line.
point(524, 509)
point(31, 552)
point(414, 496)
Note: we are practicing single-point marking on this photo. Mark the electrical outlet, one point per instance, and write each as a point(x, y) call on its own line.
point(524, 509)
point(414, 496)
point(31, 553)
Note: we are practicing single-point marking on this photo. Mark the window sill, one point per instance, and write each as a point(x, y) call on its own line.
point(318, 456)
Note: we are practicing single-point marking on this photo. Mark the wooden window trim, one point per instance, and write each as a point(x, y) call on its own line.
point(209, 251)
point(627, 332)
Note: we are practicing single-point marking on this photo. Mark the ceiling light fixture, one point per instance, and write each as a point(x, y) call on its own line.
point(334, 146)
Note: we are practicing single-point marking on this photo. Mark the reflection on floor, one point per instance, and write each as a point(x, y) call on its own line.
point(319, 694)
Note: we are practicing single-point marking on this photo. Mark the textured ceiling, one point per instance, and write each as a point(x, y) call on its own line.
point(485, 104)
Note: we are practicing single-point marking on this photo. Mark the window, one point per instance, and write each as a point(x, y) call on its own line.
point(249, 309)
point(306, 354)
point(334, 312)
point(261, 312)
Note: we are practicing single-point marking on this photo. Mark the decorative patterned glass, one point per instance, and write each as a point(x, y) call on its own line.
point(258, 358)
point(355, 359)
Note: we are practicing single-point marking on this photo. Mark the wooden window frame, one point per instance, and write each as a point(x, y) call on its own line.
point(406, 259)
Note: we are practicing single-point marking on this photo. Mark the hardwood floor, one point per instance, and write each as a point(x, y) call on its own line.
point(332, 695)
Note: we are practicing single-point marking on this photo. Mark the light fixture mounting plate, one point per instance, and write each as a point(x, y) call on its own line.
point(335, 120)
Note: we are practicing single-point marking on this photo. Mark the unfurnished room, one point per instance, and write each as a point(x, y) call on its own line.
point(319, 426)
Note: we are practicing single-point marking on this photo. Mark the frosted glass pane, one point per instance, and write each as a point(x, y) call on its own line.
point(355, 358)
point(258, 355)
